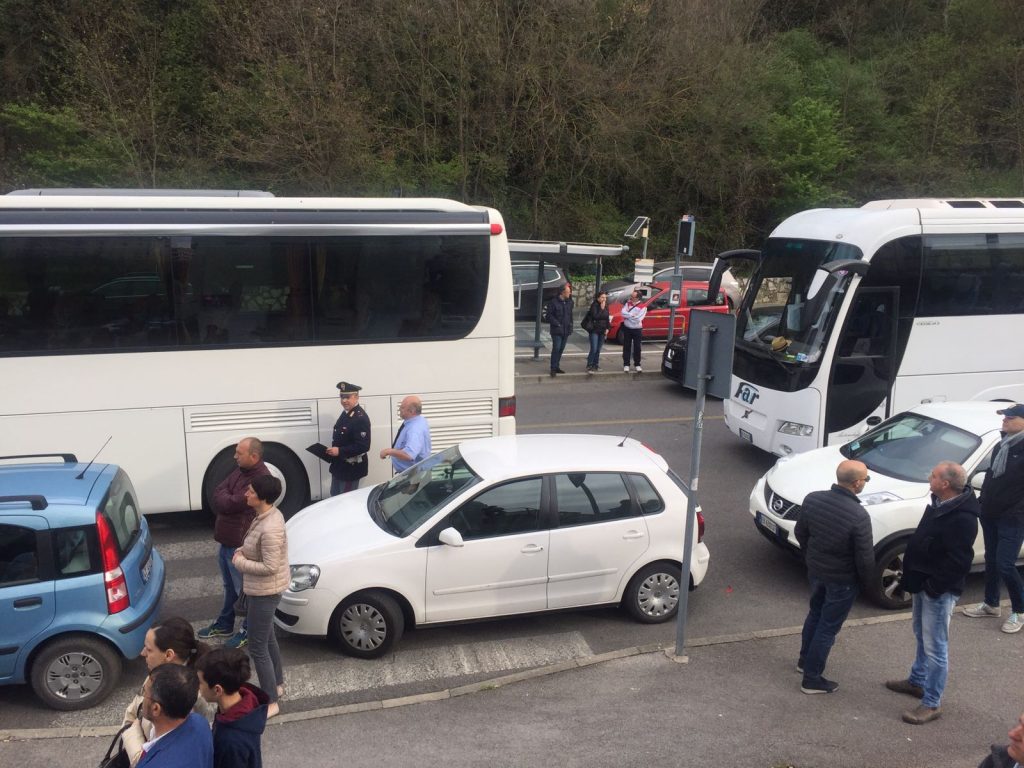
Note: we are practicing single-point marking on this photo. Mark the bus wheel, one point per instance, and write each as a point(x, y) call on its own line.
point(282, 464)
point(294, 482)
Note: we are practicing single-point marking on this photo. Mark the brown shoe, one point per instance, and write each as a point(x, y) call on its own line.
point(921, 714)
point(905, 686)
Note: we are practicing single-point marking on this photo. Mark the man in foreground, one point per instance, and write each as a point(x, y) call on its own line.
point(935, 568)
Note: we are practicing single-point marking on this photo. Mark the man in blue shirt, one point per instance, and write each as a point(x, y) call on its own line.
point(412, 443)
point(180, 738)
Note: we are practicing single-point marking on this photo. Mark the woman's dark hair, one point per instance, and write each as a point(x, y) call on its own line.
point(177, 635)
point(267, 488)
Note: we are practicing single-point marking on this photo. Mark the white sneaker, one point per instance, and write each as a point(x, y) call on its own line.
point(639, 369)
point(1013, 623)
point(625, 369)
point(982, 610)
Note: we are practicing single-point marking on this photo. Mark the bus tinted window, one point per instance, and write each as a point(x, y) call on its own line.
point(973, 274)
point(108, 293)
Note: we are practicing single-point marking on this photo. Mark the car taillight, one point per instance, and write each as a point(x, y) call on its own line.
point(700, 527)
point(113, 576)
point(507, 406)
point(496, 228)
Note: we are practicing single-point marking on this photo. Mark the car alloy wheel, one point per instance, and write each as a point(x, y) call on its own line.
point(653, 594)
point(75, 672)
point(369, 624)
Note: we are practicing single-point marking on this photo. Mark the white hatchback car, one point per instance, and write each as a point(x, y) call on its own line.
point(489, 528)
point(900, 454)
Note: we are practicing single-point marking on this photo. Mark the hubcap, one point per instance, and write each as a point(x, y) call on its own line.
point(74, 676)
point(363, 627)
point(891, 575)
point(658, 594)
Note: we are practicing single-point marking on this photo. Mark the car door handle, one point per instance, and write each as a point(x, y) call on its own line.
point(28, 602)
point(633, 535)
point(529, 549)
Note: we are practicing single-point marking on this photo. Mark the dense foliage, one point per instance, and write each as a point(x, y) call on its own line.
point(570, 116)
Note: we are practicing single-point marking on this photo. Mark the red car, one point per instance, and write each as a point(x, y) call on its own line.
point(655, 298)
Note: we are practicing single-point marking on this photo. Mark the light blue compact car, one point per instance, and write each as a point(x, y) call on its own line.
point(80, 581)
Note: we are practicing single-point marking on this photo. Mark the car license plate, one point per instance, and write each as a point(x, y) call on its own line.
point(746, 436)
point(147, 568)
point(767, 524)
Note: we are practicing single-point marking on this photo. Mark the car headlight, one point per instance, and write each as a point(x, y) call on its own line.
point(303, 577)
point(881, 497)
point(792, 428)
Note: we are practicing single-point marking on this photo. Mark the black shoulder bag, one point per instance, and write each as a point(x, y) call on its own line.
point(120, 758)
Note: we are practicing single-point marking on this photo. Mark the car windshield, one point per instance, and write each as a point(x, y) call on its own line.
point(791, 303)
point(401, 505)
point(909, 445)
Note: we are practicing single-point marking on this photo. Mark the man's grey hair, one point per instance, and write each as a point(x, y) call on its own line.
point(953, 474)
point(255, 446)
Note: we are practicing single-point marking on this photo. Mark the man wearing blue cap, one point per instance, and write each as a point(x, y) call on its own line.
point(1002, 522)
point(350, 442)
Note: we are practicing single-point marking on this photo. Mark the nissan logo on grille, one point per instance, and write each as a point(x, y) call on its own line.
point(778, 504)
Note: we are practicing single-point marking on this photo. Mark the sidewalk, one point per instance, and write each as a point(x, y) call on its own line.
point(735, 703)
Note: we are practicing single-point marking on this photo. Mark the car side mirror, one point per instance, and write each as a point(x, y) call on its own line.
point(451, 537)
point(977, 480)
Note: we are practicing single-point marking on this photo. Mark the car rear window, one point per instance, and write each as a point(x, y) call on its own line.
point(122, 512)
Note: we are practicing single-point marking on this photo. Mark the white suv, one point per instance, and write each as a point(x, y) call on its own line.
point(899, 453)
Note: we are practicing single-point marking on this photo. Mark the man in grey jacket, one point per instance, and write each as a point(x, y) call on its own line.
point(834, 533)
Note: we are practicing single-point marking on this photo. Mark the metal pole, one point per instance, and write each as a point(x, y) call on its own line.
point(672, 310)
point(691, 497)
point(540, 309)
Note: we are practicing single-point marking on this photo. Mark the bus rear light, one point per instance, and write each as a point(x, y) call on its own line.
point(700, 526)
point(113, 576)
point(496, 229)
point(506, 405)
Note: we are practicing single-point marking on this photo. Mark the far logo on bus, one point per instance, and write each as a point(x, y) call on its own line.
point(747, 393)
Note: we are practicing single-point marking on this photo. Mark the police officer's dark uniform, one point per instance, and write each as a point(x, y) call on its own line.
point(352, 439)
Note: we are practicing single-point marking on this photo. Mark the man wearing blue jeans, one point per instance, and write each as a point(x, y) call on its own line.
point(234, 516)
point(559, 312)
point(935, 568)
point(1002, 522)
point(834, 532)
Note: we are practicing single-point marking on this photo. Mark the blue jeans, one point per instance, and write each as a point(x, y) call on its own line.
point(830, 604)
point(1003, 540)
point(557, 347)
point(596, 342)
point(931, 628)
point(266, 656)
point(232, 581)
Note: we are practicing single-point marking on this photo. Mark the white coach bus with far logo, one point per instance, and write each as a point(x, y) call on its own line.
point(853, 315)
point(178, 322)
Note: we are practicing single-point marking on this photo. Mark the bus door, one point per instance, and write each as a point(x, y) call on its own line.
point(864, 367)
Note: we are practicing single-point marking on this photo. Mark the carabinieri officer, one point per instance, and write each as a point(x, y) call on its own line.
point(350, 442)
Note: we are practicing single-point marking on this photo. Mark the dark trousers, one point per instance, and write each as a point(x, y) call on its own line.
point(1003, 539)
point(232, 581)
point(830, 604)
point(557, 347)
point(631, 341)
point(266, 656)
point(339, 486)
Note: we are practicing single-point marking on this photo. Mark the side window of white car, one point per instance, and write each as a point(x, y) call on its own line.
point(591, 497)
point(500, 511)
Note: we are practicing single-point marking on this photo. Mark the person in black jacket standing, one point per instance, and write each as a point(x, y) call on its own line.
point(596, 323)
point(1002, 522)
point(559, 312)
point(834, 533)
point(935, 567)
point(350, 442)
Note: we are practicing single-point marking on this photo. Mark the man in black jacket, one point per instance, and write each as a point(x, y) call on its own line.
point(834, 533)
point(1010, 756)
point(1002, 522)
point(559, 311)
point(935, 568)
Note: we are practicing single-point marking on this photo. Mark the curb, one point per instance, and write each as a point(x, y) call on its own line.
point(26, 734)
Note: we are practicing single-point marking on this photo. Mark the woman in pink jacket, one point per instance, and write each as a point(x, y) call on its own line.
point(263, 562)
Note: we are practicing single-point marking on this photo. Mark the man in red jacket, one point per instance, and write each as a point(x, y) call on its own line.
point(234, 516)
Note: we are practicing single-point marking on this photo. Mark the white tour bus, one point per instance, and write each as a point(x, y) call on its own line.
point(178, 322)
point(852, 315)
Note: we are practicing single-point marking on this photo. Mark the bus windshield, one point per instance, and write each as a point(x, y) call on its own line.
point(403, 504)
point(791, 302)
